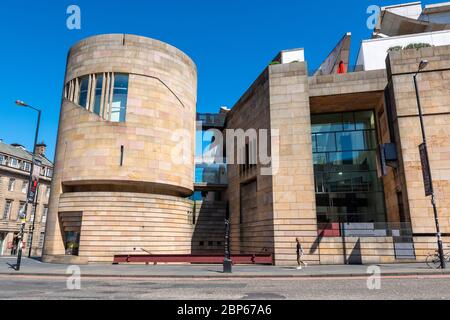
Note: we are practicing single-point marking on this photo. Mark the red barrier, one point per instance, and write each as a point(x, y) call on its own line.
point(198, 259)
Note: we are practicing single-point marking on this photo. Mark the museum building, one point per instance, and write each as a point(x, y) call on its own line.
point(347, 176)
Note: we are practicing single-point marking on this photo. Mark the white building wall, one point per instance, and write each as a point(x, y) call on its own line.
point(289, 56)
point(411, 10)
point(373, 52)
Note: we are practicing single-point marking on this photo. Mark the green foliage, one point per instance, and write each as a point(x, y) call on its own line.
point(396, 48)
point(274, 62)
point(416, 46)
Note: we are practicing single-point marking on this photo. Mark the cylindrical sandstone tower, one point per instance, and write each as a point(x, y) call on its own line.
point(124, 161)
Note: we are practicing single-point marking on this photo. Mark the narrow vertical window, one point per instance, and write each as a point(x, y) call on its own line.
point(119, 100)
point(24, 186)
point(7, 209)
point(98, 94)
point(21, 209)
point(41, 240)
point(84, 88)
point(29, 240)
point(11, 185)
point(33, 213)
point(44, 215)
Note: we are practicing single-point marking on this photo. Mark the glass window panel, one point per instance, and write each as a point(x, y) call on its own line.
point(98, 94)
point(318, 180)
point(338, 182)
point(370, 140)
point(314, 143)
point(12, 184)
point(364, 120)
point(323, 200)
point(361, 181)
point(326, 122)
point(41, 240)
point(84, 88)
point(120, 95)
point(347, 141)
point(326, 142)
point(320, 158)
point(24, 186)
point(7, 209)
point(365, 160)
point(341, 158)
point(348, 121)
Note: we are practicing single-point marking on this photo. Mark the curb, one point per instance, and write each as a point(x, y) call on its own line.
point(234, 276)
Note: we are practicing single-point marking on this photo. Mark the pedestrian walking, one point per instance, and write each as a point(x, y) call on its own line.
point(300, 255)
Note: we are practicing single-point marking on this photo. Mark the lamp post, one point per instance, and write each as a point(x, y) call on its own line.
point(427, 171)
point(227, 262)
point(30, 181)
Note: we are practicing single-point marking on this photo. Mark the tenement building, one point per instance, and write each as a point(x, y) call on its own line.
point(15, 166)
point(344, 173)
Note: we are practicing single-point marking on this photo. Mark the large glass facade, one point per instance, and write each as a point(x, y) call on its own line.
point(348, 188)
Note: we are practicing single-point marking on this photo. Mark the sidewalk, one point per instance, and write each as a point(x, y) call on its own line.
point(37, 268)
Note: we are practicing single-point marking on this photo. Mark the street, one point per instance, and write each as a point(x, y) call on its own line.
point(331, 288)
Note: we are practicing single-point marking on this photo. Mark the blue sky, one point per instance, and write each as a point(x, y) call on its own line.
point(230, 41)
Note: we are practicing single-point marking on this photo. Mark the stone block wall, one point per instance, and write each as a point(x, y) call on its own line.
point(294, 207)
point(127, 223)
point(434, 84)
point(282, 207)
point(251, 222)
point(208, 236)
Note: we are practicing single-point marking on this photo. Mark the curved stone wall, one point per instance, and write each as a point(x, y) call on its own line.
point(161, 99)
point(140, 155)
point(125, 223)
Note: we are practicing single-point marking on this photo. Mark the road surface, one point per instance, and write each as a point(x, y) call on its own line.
point(398, 287)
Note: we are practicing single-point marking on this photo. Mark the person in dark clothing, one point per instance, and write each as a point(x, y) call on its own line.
point(300, 255)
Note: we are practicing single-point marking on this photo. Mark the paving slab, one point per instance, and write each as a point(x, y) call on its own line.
point(36, 267)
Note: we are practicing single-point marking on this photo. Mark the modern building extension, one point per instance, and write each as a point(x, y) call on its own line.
point(345, 172)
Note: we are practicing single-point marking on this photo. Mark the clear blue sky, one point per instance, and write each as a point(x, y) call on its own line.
point(230, 41)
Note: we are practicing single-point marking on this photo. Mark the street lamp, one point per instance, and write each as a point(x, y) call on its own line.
point(30, 181)
point(427, 171)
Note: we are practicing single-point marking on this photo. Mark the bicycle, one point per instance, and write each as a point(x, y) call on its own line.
point(434, 261)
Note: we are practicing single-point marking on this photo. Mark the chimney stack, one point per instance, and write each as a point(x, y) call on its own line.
point(40, 149)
